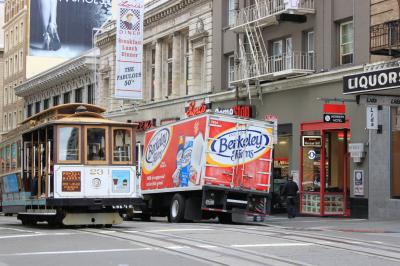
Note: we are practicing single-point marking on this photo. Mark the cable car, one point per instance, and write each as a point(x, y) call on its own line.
point(69, 165)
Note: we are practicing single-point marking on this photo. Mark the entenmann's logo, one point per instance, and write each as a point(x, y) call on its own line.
point(156, 149)
point(239, 146)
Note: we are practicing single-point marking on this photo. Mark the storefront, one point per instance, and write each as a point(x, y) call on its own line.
point(324, 168)
point(378, 93)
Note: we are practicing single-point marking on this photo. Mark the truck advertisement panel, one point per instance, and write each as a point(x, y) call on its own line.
point(174, 155)
point(224, 151)
point(239, 154)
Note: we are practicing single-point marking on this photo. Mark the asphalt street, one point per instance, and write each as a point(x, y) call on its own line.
point(277, 241)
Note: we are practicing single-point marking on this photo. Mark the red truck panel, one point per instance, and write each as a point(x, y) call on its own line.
point(239, 154)
point(231, 152)
point(173, 155)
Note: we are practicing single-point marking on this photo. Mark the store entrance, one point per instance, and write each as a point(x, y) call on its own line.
point(324, 178)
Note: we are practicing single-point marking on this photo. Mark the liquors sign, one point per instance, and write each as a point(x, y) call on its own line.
point(372, 81)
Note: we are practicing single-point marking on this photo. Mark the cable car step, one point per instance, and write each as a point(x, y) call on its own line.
point(92, 218)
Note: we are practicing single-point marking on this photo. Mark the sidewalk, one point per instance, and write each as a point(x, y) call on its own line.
point(333, 223)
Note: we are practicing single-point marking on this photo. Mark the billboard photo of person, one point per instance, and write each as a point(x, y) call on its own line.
point(65, 28)
point(48, 14)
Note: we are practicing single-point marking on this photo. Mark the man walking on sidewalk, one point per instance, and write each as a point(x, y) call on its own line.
point(290, 190)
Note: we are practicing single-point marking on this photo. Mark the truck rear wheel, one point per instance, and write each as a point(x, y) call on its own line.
point(177, 209)
point(225, 218)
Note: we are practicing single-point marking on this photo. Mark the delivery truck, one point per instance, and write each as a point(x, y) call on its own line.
point(207, 166)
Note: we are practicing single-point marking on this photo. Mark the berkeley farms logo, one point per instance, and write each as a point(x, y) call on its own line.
point(156, 149)
point(239, 146)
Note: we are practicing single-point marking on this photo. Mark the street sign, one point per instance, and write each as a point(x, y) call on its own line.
point(372, 117)
point(334, 118)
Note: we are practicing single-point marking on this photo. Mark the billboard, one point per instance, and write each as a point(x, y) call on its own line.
point(129, 49)
point(64, 28)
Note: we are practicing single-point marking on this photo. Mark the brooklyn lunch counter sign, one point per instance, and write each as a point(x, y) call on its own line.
point(372, 81)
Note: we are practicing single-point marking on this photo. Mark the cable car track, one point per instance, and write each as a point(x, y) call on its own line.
point(319, 237)
point(220, 250)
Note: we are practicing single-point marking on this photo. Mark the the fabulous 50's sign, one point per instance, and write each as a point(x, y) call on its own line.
point(237, 110)
point(372, 81)
point(243, 145)
point(156, 149)
point(129, 50)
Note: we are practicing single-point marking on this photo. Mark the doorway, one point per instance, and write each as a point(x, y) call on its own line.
point(324, 177)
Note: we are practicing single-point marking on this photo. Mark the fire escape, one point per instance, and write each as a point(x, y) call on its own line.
point(254, 65)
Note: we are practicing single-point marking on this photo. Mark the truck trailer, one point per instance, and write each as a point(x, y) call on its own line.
point(207, 166)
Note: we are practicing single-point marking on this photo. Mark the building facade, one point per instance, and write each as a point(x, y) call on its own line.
point(70, 82)
point(15, 50)
point(290, 57)
point(375, 87)
point(177, 62)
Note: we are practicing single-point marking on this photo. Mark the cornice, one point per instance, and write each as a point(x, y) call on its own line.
point(66, 71)
point(167, 12)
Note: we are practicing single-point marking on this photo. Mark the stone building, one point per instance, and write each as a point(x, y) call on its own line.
point(15, 50)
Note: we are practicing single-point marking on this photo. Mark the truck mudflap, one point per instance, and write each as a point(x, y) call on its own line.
point(239, 202)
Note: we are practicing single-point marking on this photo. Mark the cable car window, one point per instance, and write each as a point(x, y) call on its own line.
point(2, 159)
point(13, 155)
point(69, 144)
point(122, 145)
point(8, 157)
point(96, 143)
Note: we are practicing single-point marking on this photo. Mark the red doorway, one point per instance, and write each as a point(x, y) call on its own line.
point(324, 172)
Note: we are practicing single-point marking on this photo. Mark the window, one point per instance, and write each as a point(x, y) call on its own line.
point(6, 43)
point(78, 95)
point(68, 144)
point(16, 64)
point(21, 31)
point(346, 43)
point(37, 107)
point(16, 34)
point(277, 49)
point(67, 97)
point(5, 96)
point(122, 145)
point(10, 71)
point(21, 60)
point(90, 93)
point(56, 100)
point(231, 14)
point(169, 62)
point(96, 143)
point(6, 69)
point(277, 52)
point(46, 104)
point(231, 70)
point(395, 171)
point(310, 49)
point(187, 44)
point(29, 111)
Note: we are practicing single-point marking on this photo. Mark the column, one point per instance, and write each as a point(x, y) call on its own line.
point(177, 63)
point(158, 74)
